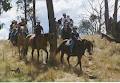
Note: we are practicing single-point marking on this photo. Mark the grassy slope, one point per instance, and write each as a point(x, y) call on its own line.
point(105, 65)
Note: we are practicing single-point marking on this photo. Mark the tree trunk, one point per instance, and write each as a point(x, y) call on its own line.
point(34, 14)
point(106, 16)
point(99, 20)
point(25, 10)
point(115, 11)
point(52, 28)
point(115, 19)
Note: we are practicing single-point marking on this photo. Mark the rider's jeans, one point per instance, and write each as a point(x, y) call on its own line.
point(71, 45)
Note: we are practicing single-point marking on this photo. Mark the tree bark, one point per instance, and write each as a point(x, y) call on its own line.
point(106, 16)
point(52, 28)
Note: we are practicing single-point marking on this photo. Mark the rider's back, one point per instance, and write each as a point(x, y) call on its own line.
point(38, 29)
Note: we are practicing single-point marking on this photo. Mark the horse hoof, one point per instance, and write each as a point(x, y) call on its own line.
point(80, 73)
point(92, 77)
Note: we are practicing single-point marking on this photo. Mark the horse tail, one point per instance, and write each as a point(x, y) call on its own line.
point(60, 48)
point(26, 49)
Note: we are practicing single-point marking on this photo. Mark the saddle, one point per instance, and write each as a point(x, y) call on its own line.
point(68, 42)
point(71, 44)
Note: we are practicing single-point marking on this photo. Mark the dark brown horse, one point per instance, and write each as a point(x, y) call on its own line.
point(37, 42)
point(79, 50)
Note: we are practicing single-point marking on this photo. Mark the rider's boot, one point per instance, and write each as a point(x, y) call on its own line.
point(71, 47)
point(9, 36)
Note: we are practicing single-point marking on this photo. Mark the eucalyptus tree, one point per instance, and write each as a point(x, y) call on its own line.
point(4, 7)
point(52, 28)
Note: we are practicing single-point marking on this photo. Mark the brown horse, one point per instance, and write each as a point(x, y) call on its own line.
point(19, 40)
point(78, 50)
point(37, 42)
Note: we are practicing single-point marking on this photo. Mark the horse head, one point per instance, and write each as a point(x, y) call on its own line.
point(21, 31)
point(49, 36)
point(88, 45)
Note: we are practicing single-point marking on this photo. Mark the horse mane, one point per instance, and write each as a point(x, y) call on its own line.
point(88, 42)
point(85, 40)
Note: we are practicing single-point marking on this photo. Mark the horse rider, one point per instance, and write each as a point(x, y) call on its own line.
point(61, 23)
point(63, 19)
point(23, 24)
point(68, 18)
point(38, 29)
point(57, 26)
point(13, 29)
point(64, 29)
point(69, 22)
point(74, 37)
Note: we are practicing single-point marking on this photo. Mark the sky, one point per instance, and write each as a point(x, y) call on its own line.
point(77, 9)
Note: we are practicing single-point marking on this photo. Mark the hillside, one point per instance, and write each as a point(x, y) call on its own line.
point(105, 65)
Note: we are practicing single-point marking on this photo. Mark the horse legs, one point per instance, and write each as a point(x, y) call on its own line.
point(38, 54)
point(68, 60)
point(32, 53)
point(62, 54)
point(79, 62)
point(47, 55)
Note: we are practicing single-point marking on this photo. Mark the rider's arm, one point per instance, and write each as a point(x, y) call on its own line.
point(42, 29)
point(10, 28)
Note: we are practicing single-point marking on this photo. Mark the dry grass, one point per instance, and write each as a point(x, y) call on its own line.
point(105, 65)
